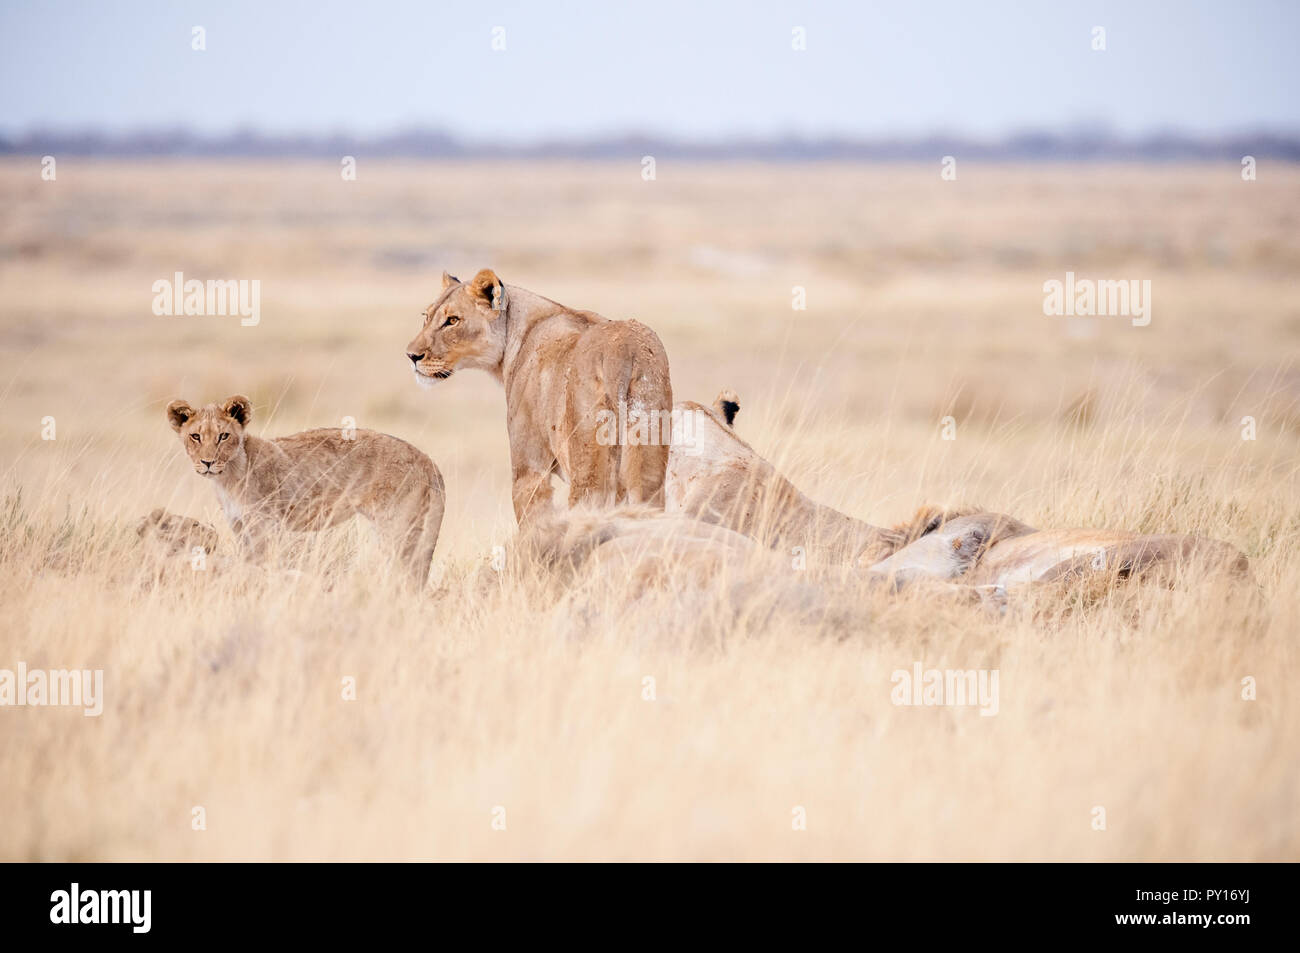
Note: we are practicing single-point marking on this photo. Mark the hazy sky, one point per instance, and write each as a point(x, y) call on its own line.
point(696, 69)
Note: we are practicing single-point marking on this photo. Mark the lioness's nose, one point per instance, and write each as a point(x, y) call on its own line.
point(207, 463)
point(415, 358)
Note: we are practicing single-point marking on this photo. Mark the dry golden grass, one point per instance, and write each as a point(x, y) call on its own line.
point(223, 689)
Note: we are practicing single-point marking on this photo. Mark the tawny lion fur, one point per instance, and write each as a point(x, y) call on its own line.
point(564, 371)
point(313, 480)
point(713, 475)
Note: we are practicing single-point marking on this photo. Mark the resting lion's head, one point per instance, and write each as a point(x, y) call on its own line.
point(172, 534)
point(214, 435)
point(462, 328)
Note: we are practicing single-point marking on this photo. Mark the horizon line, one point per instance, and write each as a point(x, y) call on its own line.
point(1076, 142)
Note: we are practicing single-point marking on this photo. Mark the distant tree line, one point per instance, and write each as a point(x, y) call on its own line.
point(1079, 144)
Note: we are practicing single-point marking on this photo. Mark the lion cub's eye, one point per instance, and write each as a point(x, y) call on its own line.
point(194, 437)
point(222, 437)
point(452, 322)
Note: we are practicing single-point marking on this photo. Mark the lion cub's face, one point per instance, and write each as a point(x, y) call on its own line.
point(214, 435)
point(462, 328)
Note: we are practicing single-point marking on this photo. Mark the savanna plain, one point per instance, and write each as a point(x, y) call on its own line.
point(494, 720)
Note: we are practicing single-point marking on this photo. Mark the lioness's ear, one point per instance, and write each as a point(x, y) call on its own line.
point(238, 408)
point(177, 413)
point(487, 287)
point(448, 280)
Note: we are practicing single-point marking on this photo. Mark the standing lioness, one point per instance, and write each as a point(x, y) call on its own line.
point(585, 396)
point(313, 480)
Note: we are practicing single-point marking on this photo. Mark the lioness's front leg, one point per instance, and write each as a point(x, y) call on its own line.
point(531, 490)
point(593, 469)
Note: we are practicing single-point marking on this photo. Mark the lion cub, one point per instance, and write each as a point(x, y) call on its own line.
point(313, 480)
point(587, 398)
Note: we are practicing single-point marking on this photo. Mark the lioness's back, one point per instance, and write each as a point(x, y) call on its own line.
point(333, 470)
point(333, 446)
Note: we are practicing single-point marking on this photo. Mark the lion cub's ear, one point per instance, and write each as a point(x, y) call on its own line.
point(448, 280)
point(238, 408)
point(487, 287)
point(178, 411)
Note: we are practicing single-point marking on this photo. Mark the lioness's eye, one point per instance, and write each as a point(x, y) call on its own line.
point(222, 437)
point(452, 322)
point(194, 437)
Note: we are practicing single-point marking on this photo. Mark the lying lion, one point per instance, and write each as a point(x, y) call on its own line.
point(593, 566)
point(993, 550)
point(567, 374)
point(172, 535)
point(715, 476)
point(312, 480)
